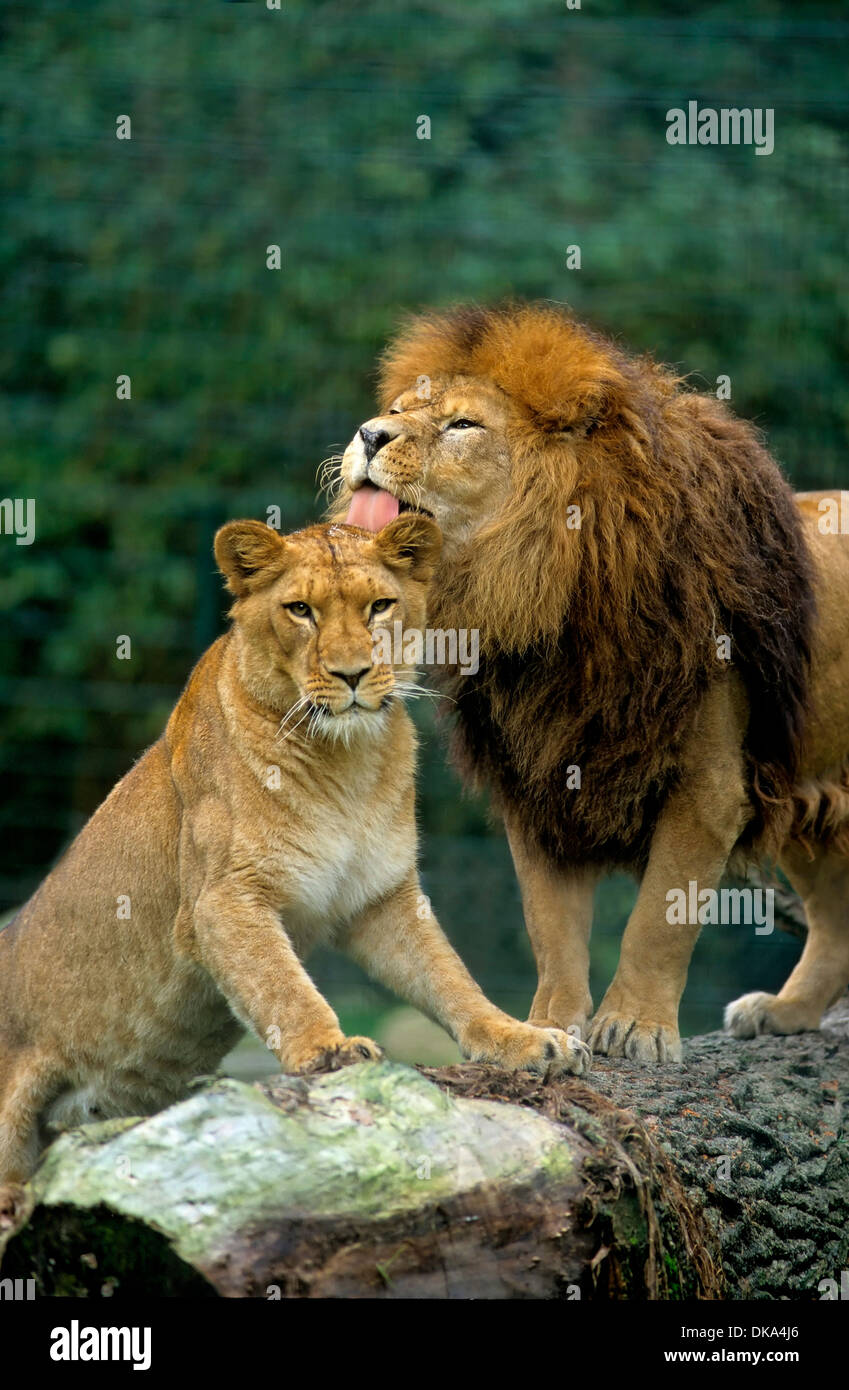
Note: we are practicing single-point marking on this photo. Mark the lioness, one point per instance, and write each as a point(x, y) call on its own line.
point(655, 692)
point(275, 812)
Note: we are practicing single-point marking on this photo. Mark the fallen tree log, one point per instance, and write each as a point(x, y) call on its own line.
point(728, 1177)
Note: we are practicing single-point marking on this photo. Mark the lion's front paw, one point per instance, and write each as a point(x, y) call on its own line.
point(640, 1040)
point(344, 1053)
point(524, 1047)
point(753, 1014)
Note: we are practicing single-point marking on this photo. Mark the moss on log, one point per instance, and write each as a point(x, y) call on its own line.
point(728, 1177)
point(370, 1181)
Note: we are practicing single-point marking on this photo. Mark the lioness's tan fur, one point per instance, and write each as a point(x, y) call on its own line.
point(276, 812)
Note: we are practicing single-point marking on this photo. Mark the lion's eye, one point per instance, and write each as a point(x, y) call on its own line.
point(381, 605)
point(298, 609)
point(464, 425)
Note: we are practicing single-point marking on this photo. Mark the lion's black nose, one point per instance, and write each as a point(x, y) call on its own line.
point(373, 440)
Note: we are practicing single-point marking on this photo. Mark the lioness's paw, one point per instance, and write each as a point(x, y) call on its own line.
point(15, 1205)
point(575, 1027)
point(757, 1013)
point(345, 1053)
point(524, 1047)
point(640, 1040)
point(356, 1050)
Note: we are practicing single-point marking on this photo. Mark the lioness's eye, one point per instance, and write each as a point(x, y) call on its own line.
point(380, 605)
point(299, 609)
point(464, 425)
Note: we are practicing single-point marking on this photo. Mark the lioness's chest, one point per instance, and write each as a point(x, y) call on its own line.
point(335, 855)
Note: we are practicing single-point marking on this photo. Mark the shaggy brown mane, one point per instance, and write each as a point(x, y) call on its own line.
point(598, 642)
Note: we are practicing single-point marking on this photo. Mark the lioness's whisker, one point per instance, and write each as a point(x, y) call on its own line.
point(299, 703)
point(315, 720)
point(417, 692)
point(304, 700)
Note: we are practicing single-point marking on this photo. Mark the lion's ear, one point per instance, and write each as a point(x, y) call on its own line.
point(411, 543)
point(244, 550)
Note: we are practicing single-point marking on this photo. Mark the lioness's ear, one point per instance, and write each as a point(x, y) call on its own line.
point(243, 549)
point(411, 543)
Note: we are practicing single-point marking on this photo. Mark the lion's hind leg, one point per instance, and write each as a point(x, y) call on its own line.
point(822, 973)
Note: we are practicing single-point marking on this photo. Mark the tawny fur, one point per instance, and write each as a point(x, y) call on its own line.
point(688, 532)
point(276, 812)
point(601, 644)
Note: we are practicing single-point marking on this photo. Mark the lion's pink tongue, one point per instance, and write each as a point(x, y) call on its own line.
point(372, 508)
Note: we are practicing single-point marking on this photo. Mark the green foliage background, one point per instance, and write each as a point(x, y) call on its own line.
point(253, 127)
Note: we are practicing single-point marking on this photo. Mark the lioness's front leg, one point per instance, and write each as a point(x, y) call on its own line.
point(698, 828)
point(242, 944)
point(400, 943)
point(558, 910)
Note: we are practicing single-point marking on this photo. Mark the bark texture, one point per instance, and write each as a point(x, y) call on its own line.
point(728, 1177)
point(758, 1133)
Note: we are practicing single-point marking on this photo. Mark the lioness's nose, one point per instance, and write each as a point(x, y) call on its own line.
point(373, 440)
point(351, 678)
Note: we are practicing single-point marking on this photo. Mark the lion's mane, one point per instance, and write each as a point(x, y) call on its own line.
point(597, 643)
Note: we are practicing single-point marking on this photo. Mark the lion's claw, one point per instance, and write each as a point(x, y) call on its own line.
point(640, 1040)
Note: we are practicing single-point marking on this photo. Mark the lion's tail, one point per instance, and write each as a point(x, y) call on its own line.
point(821, 812)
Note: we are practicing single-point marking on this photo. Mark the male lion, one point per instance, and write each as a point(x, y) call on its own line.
point(275, 812)
point(615, 537)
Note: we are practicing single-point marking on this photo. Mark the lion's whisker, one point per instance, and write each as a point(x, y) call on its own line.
point(326, 469)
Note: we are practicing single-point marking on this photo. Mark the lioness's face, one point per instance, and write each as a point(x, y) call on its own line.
point(324, 619)
point(447, 456)
point(311, 607)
